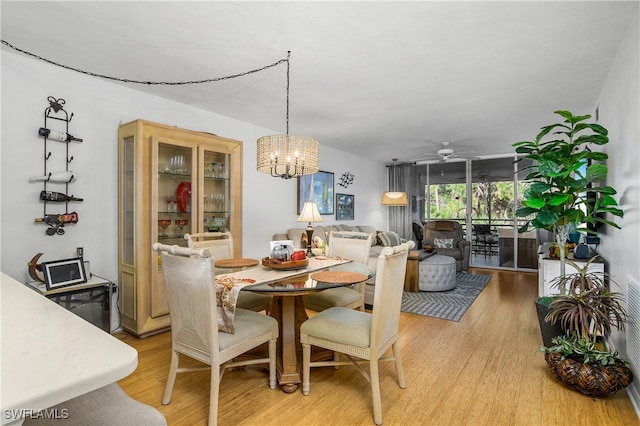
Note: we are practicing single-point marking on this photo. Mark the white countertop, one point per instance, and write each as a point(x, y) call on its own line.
point(50, 355)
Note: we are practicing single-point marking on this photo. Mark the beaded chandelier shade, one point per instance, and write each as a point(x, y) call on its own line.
point(287, 156)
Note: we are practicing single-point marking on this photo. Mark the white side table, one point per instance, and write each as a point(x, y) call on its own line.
point(90, 301)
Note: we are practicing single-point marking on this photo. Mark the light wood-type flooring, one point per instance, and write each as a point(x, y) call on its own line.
point(483, 370)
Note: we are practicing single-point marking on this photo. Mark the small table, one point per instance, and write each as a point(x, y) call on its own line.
point(235, 263)
point(90, 300)
point(411, 277)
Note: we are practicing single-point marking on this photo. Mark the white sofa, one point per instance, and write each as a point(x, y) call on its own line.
point(298, 235)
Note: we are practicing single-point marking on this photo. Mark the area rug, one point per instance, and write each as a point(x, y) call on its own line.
point(451, 304)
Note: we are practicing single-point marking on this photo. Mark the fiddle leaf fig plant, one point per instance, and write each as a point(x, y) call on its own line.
point(565, 170)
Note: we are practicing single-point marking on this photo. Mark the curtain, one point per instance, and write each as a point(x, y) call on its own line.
point(400, 216)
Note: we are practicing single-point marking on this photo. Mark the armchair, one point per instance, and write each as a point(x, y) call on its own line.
point(418, 233)
point(451, 241)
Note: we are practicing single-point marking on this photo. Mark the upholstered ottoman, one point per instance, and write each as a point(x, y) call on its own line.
point(437, 273)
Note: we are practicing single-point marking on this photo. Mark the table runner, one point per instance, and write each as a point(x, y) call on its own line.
point(228, 285)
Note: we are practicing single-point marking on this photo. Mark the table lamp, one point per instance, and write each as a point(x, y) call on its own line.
point(309, 214)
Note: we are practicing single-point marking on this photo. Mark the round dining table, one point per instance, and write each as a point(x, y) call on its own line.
point(287, 307)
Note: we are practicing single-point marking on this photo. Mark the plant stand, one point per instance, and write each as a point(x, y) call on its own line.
point(548, 330)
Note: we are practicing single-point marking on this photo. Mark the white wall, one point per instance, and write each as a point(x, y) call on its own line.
point(619, 107)
point(269, 204)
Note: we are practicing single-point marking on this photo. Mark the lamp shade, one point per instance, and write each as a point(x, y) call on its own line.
point(310, 213)
point(287, 156)
point(394, 198)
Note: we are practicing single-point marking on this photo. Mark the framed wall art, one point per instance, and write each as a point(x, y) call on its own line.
point(317, 187)
point(345, 207)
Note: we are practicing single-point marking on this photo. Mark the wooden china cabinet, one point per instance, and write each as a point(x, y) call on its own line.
point(171, 181)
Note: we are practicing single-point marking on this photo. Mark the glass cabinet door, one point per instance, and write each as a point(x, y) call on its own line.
point(216, 191)
point(128, 202)
point(173, 192)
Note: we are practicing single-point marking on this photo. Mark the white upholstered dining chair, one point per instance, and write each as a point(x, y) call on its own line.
point(361, 336)
point(191, 294)
point(350, 245)
point(220, 244)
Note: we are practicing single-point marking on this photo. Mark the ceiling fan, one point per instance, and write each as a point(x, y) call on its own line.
point(445, 153)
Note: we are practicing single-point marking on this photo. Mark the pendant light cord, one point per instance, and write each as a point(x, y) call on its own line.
point(288, 67)
point(160, 83)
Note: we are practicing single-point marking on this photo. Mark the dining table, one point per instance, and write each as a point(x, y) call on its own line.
point(287, 288)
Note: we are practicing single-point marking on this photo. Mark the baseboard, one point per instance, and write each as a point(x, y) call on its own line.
point(633, 391)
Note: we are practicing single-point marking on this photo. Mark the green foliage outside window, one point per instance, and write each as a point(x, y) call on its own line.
point(448, 201)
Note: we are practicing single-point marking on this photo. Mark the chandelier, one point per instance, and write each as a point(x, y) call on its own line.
point(287, 156)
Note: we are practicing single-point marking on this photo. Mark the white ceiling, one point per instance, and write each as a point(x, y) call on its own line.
point(379, 79)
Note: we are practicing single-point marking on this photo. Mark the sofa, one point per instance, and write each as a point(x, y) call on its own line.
point(446, 237)
point(380, 240)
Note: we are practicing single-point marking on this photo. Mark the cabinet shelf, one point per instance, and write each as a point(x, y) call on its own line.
point(174, 175)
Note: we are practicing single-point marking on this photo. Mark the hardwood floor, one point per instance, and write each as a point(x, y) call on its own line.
point(483, 370)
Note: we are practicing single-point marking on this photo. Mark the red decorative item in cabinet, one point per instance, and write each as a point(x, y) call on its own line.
point(183, 192)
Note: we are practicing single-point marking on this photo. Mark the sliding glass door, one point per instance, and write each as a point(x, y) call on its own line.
point(447, 196)
point(483, 196)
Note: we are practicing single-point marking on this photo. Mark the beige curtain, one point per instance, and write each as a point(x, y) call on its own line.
point(400, 216)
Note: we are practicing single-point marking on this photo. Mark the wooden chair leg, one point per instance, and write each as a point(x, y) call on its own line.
point(171, 378)
point(399, 369)
point(214, 394)
point(375, 391)
point(306, 367)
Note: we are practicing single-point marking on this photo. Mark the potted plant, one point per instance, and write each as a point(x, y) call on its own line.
point(588, 312)
point(564, 171)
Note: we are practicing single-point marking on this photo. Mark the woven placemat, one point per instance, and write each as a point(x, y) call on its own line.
point(339, 277)
point(235, 263)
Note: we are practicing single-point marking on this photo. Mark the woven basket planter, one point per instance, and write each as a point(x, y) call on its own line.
point(590, 379)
